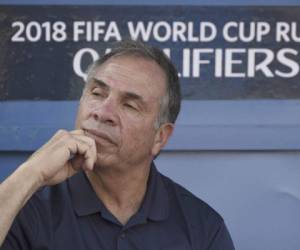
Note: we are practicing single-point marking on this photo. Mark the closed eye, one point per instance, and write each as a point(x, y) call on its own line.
point(97, 92)
point(128, 105)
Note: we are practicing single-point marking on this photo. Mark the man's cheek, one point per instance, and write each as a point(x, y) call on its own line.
point(142, 139)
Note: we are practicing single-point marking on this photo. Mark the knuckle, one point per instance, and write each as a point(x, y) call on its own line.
point(66, 135)
point(88, 143)
point(91, 143)
point(84, 147)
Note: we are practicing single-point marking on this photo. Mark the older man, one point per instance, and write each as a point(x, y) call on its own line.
point(96, 187)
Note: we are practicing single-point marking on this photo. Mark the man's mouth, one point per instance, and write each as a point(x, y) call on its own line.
point(98, 136)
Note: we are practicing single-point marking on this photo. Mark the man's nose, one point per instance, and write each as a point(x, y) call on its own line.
point(106, 112)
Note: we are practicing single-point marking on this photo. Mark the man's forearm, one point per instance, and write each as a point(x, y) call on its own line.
point(14, 193)
point(38, 171)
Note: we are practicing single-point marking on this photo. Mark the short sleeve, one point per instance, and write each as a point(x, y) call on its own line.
point(22, 231)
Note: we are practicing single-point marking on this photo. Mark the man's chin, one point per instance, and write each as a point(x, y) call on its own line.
point(104, 160)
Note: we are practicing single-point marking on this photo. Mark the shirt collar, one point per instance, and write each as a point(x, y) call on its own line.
point(155, 205)
point(84, 198)
point(156, 201)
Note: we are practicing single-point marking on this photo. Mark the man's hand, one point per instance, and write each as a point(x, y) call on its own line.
point(62, 156)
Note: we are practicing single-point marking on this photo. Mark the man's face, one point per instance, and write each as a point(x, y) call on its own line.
point(119, 107)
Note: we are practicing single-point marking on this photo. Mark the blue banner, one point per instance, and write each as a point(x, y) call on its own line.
point(222, 53)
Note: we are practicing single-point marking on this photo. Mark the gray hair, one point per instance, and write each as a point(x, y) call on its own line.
point(170, 102)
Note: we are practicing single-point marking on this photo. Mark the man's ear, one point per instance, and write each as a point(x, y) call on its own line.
point(161, 137)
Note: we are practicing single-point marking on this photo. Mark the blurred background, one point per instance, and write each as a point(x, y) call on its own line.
point(236, 143)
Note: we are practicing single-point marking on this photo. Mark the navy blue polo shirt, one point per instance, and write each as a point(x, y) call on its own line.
point(70, 216)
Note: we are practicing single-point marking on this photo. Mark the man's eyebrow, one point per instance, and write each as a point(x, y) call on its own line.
point(100, 83)
point(133, 96)
point(126, 95)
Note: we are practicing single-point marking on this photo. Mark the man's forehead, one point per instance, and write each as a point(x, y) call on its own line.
point(133, 71)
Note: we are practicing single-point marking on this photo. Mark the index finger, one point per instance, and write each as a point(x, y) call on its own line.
point(77, 132)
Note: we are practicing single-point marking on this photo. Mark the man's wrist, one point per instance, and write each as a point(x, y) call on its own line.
point(30, 180)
